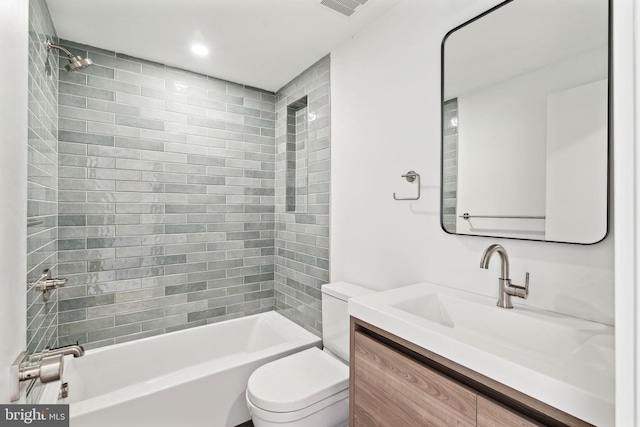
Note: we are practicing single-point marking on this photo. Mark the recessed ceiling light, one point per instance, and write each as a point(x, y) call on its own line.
point(199, 49)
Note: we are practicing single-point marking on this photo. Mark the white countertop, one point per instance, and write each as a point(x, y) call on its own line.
point(562, 361)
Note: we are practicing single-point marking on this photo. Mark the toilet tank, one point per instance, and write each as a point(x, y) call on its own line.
point(335, 317)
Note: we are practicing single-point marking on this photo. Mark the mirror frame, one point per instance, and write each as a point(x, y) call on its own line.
point(609, 167)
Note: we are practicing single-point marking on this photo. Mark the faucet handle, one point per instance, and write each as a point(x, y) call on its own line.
point(25, 369)
point(521, 291)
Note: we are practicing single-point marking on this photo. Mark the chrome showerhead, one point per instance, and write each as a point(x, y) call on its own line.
point(75, 62)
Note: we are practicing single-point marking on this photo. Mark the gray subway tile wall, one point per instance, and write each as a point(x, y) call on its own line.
point(42, 193)
point(166, 199)
point(42, 183)
point(162, 197)
point(302, 238)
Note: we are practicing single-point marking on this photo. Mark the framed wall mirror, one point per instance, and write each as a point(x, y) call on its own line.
point(525, 122)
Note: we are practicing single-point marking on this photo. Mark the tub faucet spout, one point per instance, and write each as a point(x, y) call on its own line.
point(74, 349)
point(505, 288)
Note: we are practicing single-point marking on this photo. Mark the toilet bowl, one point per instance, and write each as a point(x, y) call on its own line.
point(309, 388)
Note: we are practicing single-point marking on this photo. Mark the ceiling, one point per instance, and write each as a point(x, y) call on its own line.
point(260, 43)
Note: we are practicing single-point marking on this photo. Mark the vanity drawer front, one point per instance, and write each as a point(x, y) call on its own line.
point(493, 414)
point(391, 388)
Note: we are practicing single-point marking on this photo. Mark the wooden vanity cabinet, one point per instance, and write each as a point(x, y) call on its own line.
point(494, 414)
point(393, 389)
point(395, 383)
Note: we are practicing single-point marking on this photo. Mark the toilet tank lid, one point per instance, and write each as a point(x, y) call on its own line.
point(344, 290)
point(297, 381)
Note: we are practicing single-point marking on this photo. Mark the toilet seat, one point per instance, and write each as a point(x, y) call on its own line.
point(302, 383)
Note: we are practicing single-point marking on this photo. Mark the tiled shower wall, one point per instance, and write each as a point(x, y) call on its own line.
point(302, 236)
point(42, 177)
point(166, 199)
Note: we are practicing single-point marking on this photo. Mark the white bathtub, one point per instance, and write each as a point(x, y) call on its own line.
point(196, 377)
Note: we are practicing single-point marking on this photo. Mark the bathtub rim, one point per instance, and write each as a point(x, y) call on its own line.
point(298, 340)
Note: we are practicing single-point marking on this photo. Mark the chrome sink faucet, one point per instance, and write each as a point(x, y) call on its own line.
point(505, 289)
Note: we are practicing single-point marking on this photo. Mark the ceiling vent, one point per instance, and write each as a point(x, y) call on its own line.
point(345, 7)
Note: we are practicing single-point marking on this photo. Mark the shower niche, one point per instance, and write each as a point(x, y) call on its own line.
point(297, 185)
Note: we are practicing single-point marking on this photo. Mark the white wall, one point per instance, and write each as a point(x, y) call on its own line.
point(14, 34)
point(385, 100)
point(626, 50)
point(386, 121)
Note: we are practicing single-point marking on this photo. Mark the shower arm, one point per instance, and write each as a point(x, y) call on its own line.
point(55, 46)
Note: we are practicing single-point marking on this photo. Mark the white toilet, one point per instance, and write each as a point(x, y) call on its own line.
point(309, 388)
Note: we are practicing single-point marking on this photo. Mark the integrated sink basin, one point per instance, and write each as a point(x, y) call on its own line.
point(518, 329)
point(563, 361)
